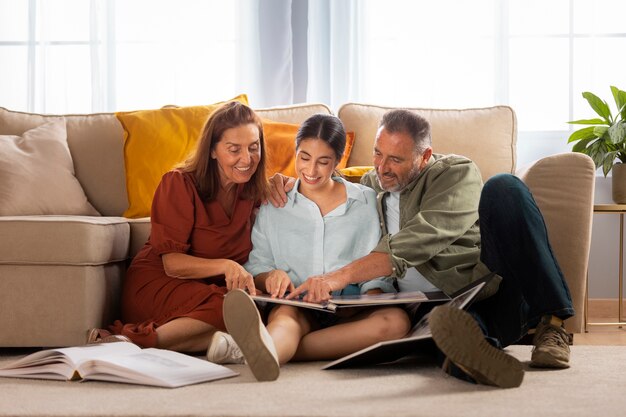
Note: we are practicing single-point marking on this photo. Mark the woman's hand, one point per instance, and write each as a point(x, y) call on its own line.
point(277, 283)
point(237, 277)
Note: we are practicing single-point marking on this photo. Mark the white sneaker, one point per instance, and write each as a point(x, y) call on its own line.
point(223, 349)
point(244, 324)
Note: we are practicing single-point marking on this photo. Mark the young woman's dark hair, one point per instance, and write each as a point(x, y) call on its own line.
point(324, 127)
point(205, 169)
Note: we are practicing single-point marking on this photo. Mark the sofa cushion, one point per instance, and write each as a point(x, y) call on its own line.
point(295, 114)
point(63, 240)
point(154, 142)
point(139, 234)
point(37, 174)
point(485, 135)
point(354, 173)
point(280, 145)
point(95, 142)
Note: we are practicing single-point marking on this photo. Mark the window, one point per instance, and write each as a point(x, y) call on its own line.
point(62, 56)
point(534, 55)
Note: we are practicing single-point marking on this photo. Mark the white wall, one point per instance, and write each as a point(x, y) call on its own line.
point(603, 259)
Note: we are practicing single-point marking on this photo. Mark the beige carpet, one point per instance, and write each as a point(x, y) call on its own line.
point(595, 385)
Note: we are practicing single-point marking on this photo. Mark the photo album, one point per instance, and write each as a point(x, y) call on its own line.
point(418, 337)
point(364, 300)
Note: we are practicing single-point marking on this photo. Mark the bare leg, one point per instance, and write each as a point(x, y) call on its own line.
point(287, 325)
point(360, 331)
point(185, 335)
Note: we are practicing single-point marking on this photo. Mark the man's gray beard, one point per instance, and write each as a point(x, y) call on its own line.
point(399, 187)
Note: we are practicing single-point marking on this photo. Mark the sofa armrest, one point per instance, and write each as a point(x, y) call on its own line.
point(563, 187)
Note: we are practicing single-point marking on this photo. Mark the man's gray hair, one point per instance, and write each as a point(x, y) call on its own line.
point(412, 124)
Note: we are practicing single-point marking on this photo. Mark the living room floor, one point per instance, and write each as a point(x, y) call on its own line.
point(601, 335)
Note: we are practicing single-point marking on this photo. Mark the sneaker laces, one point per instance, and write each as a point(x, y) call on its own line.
point(549, 335)
point(232, 350)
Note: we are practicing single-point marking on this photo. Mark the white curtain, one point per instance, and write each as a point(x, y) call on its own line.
point(335, 51)
point(301, 51)
point(267, 51)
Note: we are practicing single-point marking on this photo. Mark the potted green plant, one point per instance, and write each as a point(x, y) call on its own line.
point(604, 139)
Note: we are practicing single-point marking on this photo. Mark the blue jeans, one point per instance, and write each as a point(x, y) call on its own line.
point(514, 244)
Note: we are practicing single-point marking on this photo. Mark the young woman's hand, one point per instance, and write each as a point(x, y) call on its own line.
point(237, 277)
point(277, 283)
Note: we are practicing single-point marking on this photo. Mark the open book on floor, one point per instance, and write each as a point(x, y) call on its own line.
point(365, 300)
point(417, 339)
point(117, 362)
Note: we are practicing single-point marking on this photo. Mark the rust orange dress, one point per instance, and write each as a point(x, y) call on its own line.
point(182, 222)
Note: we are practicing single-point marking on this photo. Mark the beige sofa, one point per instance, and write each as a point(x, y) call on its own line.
point(60, 275)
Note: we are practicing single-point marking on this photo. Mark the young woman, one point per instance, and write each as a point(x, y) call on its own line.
point(326, 223)
point(202, 215)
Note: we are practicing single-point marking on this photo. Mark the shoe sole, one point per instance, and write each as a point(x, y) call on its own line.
point(458, 336)
point(243, 323)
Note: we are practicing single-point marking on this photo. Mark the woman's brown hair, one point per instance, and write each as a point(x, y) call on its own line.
point(205, 169)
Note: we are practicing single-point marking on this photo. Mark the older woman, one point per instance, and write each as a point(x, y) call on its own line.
point(202, 215)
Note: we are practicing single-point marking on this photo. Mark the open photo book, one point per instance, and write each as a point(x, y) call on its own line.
point(418, 337)
point(363, 300)
point(117, 362)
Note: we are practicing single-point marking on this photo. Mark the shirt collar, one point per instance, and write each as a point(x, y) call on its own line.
point(353, 192)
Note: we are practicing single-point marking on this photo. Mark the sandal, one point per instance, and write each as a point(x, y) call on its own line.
point(96, 335)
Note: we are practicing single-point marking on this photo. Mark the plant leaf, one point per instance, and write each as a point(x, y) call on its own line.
point(617, 132)
point(581, 146)
point(597, 152)
point(584, 133)
point(620, 99)
point(622, 110)
point(609, 161)
point(600, 131)
point(588, 122)
point(599, 106)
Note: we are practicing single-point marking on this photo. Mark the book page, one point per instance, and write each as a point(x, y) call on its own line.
point(157, 367)
point(61, 363)
point(406, 297)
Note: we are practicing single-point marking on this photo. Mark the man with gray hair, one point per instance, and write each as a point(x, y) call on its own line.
point(443, 230)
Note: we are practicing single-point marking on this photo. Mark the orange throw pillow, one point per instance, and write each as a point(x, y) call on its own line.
point(280, 146)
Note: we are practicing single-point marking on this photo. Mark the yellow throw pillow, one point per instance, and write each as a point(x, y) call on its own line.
point(280, 145)
point(154, 142)
point(354, 174)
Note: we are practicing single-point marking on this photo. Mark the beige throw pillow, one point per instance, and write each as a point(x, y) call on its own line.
point(37, 174)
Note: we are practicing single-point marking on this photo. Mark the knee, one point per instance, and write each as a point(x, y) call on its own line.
point(504, 193)
point(286, 316)
point(393, 323)
point(503, 183)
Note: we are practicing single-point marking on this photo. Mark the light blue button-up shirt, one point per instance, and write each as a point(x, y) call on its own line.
point(299, 241)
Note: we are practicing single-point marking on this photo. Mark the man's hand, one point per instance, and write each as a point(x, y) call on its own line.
point(279, 186)
point(319, 287)
point(277, 283)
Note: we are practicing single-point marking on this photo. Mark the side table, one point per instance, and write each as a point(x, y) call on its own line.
point(612, 209)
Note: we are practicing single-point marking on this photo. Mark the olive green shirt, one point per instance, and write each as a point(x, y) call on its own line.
point(439, 231)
